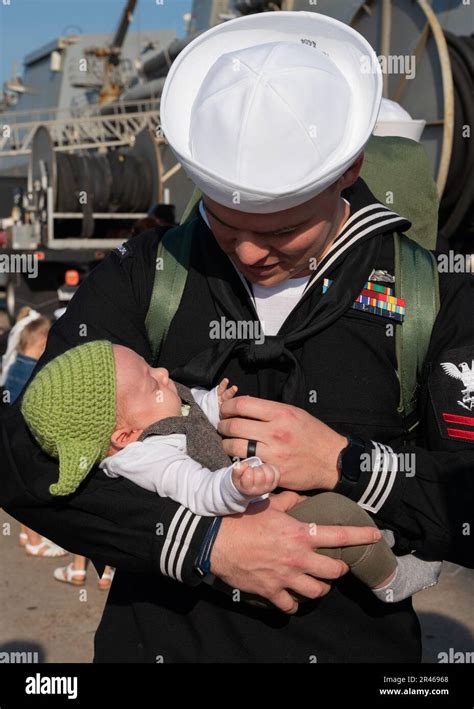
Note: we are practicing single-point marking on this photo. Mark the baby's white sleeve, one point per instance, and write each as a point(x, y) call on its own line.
point(160, 464)
point(208, 402)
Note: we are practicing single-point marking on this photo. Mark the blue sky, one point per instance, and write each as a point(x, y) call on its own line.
point(27, 24)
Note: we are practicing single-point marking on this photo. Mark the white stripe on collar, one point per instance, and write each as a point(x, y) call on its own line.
point(340, 249)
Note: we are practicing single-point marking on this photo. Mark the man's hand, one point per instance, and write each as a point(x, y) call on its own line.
point(267, 552)
point(301, 446)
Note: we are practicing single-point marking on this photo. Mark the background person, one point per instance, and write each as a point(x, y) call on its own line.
point(27, 344)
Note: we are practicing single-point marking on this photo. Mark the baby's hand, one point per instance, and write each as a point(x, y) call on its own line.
point(253, 481)
point(224, 391)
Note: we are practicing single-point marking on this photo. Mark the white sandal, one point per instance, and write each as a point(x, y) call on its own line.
point(68, 574)
point(106, 579)
point(45, 549)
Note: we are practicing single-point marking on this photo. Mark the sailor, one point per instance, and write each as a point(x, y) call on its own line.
point(269, 115)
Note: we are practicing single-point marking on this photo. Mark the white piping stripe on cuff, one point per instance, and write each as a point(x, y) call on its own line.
point(177, 543)
point(173, 538)
point(389, 485)
point(169, 539)
point(384, 479)
point(185, 547)
point(392, 462)
point(381, 481)
point(374, 476)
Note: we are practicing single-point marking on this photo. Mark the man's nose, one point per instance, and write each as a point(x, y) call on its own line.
point(249, 253)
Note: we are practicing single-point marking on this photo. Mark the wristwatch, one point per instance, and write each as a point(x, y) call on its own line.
point(349, 463)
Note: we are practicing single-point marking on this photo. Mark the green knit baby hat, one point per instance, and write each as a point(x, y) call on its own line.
point(70, 409)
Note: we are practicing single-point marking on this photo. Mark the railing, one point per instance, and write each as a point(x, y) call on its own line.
point(90, 130)
point(88, 109)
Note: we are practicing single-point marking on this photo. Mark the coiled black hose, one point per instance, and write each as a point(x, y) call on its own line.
point(115, 182)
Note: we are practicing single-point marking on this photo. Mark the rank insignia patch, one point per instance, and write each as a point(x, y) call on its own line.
point(452, 391)
point(376, 299)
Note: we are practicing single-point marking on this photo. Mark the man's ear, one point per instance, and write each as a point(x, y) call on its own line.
point(352, 174)
point(121, 437)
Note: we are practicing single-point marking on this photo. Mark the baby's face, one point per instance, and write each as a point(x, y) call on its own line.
point(144, 394)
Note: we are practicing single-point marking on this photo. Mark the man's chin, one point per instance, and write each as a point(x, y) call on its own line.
point(268, 281)
point(264, 277)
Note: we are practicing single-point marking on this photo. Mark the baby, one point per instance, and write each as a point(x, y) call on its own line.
point(94, 404)
point(100, 403)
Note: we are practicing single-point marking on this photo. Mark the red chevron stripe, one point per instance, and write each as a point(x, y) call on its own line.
point(459, 433)
point(463, 420)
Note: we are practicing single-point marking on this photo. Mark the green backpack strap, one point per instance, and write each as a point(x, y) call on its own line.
point(172, 262)
point(416, 281)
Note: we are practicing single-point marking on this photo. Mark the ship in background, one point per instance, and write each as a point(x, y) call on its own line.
point(68, 79)
point(82, 157)
point(96, 131)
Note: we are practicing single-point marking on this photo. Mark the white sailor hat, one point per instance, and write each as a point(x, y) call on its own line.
point(265, 112)
point(393, 119)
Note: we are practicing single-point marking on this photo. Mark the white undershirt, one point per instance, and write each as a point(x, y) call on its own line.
point(272, 303)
